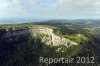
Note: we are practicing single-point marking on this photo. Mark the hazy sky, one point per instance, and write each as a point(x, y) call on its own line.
point(50, 9)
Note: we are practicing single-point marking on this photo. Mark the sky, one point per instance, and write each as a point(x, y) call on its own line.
point(49, 9)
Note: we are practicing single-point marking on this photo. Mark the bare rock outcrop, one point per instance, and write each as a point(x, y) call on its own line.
point(46, 34)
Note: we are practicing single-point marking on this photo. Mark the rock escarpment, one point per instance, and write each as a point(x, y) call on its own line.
point(46, 34)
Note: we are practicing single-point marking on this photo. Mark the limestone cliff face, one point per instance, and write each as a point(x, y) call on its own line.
point(54, 40)
point(46, 34)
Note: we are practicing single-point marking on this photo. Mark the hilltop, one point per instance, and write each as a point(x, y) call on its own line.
point(23, 44)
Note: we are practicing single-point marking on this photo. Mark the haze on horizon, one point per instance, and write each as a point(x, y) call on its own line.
point(49, 9)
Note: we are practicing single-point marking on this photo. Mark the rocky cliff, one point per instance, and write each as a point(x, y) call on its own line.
point(45, 33)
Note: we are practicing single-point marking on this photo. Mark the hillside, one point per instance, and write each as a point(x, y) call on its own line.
point(23, 44)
